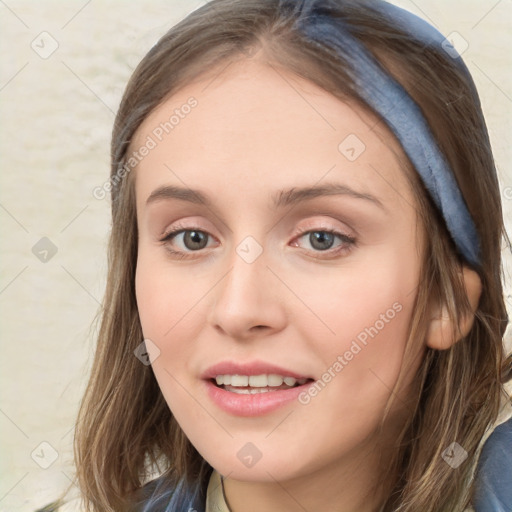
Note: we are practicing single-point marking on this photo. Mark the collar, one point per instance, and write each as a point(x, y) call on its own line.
point(215, 498)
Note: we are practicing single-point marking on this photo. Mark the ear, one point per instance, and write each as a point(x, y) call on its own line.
point(440, 335)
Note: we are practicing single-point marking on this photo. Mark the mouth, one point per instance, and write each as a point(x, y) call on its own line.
point(257, 384)
point(240, 398)
point(253, 388)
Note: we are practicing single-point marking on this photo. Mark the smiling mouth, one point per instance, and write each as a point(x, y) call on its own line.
point(255, 384)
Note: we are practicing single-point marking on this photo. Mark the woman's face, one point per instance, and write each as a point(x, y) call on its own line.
point(296, 255)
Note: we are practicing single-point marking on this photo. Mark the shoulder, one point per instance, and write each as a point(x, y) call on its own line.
point(493, 487)
point(162, 494)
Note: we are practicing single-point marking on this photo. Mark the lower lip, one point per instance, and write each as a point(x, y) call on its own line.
point(252, 405)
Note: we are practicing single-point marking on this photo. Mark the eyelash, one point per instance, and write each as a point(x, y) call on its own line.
point(348, 242)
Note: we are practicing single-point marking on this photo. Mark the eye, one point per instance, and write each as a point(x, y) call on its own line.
point(323, 240)
point(187, 240)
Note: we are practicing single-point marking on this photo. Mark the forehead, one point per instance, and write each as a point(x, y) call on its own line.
point(251, 126)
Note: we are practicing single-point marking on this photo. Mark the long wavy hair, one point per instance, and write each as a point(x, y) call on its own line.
point(125, 432)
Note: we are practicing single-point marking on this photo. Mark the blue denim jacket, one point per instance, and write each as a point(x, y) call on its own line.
point(493, 491)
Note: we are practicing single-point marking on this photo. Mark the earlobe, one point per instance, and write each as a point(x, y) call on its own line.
point(441, 334)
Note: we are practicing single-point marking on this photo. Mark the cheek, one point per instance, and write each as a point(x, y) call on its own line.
point(171, 303)
point(362, 367)
point(359, 333)
point(364, 335)
point(361, 302)
point(165, 301)
point(165, 295)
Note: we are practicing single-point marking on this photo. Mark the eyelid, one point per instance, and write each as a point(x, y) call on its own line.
point(179, 226)
point(328, 226)
point(320, 226)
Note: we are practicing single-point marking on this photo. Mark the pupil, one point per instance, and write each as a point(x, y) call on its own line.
point(195, 240)
point(321, 240)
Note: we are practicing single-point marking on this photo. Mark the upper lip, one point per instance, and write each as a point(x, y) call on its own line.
point(249, 368)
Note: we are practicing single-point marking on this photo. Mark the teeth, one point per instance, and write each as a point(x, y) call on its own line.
point(275, 380)
point(239, 380)
point(257, 381)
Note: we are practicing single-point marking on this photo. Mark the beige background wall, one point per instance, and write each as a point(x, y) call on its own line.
point(56, 113)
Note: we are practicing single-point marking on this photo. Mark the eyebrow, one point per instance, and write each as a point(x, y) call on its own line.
point(281, 199)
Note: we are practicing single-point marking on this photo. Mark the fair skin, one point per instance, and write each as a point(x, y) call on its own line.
point(252, 135)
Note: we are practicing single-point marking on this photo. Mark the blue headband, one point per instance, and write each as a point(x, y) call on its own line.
point(391, 101)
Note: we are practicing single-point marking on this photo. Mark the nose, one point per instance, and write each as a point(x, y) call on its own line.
point(248, 301)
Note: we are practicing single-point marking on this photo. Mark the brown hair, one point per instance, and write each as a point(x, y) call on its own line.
point(125, 429)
